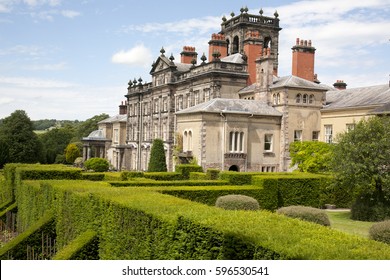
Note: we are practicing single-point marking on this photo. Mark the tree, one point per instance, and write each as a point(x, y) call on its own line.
point(157, 162)
point(17, 133)
point(54, 142)
point(72, 152)
point(311, 156)
point(361, 164)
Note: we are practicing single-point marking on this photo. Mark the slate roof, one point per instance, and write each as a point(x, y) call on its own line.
point(234, 58)
point(291, 82)
point(385, 109)
point(116, 118)
point(232, 106)
point(358, 97)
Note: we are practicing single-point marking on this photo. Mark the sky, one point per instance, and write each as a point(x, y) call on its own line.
point(72, 59)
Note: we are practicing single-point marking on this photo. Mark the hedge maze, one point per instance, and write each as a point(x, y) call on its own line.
point(171, 216)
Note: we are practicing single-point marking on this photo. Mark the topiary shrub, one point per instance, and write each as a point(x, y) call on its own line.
point(381, 231)
point(237, 202)
point(157, 162)
point(212, 174)
point(97, 164)
point(309, 214)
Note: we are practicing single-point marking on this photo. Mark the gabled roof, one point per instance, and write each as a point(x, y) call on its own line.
point(234, 58)
point(232, 106)
point(358, 97)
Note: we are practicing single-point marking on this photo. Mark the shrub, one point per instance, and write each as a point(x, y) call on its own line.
point(97, 164)
point(237, 202)
point(163, 176)
point(198, 176)
point(381, 231)
point(93, 176)
point(72, 152)
point(306, 213)
point(157, 161)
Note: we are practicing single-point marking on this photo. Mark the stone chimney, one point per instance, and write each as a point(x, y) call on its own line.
point(303, 60)
point(339, 84)
point(123, 108)
point(188, 55)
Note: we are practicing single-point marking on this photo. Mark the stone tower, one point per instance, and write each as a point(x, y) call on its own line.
point(248, 34)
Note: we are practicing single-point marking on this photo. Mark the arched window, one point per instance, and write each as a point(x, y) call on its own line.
point(274, 100)
point(278, 98)
point(305, 98)
point(298, 98)
point(190, 141)
point(311, 99)
point(267, 42)
point(228, 46)
point(236, 45)
point(185, 141)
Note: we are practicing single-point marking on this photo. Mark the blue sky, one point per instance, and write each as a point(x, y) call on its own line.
point(72, 59)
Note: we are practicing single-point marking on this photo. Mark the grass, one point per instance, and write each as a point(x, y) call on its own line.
point(340, 220)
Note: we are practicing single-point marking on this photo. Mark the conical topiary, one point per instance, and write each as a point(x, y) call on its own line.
point(157, 162)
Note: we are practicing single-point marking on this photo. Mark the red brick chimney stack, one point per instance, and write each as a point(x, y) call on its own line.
point(218, 44)
point(123, 108)
point(303, 60)
point(188, 55)
point(253, 50)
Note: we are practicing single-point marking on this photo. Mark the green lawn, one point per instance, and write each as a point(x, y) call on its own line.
point(340, 220)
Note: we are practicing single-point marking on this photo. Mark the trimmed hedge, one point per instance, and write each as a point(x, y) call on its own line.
point(198, 176)
point(186, 169)
point(140, 223)
point(237, 202)
point(183, 183)
point(212, 174)
point(236, 178)
point(93, 176)
point(16, 248)
point(83, 247)
point(309, 214)
point(163, 176)
point(127, 175)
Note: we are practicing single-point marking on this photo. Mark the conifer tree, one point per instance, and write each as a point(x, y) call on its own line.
point(157, 162)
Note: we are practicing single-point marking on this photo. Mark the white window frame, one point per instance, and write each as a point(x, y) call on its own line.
point(328, 133)
point(268, 142)
point(297, 135)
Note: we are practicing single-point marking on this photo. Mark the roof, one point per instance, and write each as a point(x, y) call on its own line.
point(385, 109)
point(291, 82)
point(116, 118)
point(358, 97)
point(233, 106)
point(297, 82)
point(95, 135)
point(234, 58)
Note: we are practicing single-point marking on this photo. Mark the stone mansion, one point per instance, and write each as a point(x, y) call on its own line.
point(231, 111)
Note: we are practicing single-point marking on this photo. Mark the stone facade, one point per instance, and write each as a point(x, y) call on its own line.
point(231, 112)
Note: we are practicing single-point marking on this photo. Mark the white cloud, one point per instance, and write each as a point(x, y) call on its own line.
point(28, 82)
point(70, 14)
point(188, 26)
point(136, 56)
point(5, 100)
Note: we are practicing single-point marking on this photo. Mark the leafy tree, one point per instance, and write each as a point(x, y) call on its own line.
point(362, 165)
point(54, 142)
point(17, 133)
point(72, 152)
point(311, 156)
point(157, 161)
point(3, 153)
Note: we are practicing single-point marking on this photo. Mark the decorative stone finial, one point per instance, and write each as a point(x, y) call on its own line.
point(246, 9)
point(162, 51)
point(242, 10)
point(224, 19)
point(276, 14)
point(261, 11)
point(171, 58)
point(232, 14)
point(203, 58)
point(134, 82)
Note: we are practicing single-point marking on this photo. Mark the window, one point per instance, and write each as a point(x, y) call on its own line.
point(350, 126)
point(274, 101)
point(116, 136)
point(165, 104)
point(268, 142)
point(298, 98)
point(206, 94)
point(328, 133)
point(297, 135)
point(156, 106)
point(187, 141)
point(315, 135)
point(236, 141)
point(311, 99)
point(196, 97)
point(305, 97)
point(180, 102)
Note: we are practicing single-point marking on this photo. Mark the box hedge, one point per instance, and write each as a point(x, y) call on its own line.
point(186, 169)
point(141, 223)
